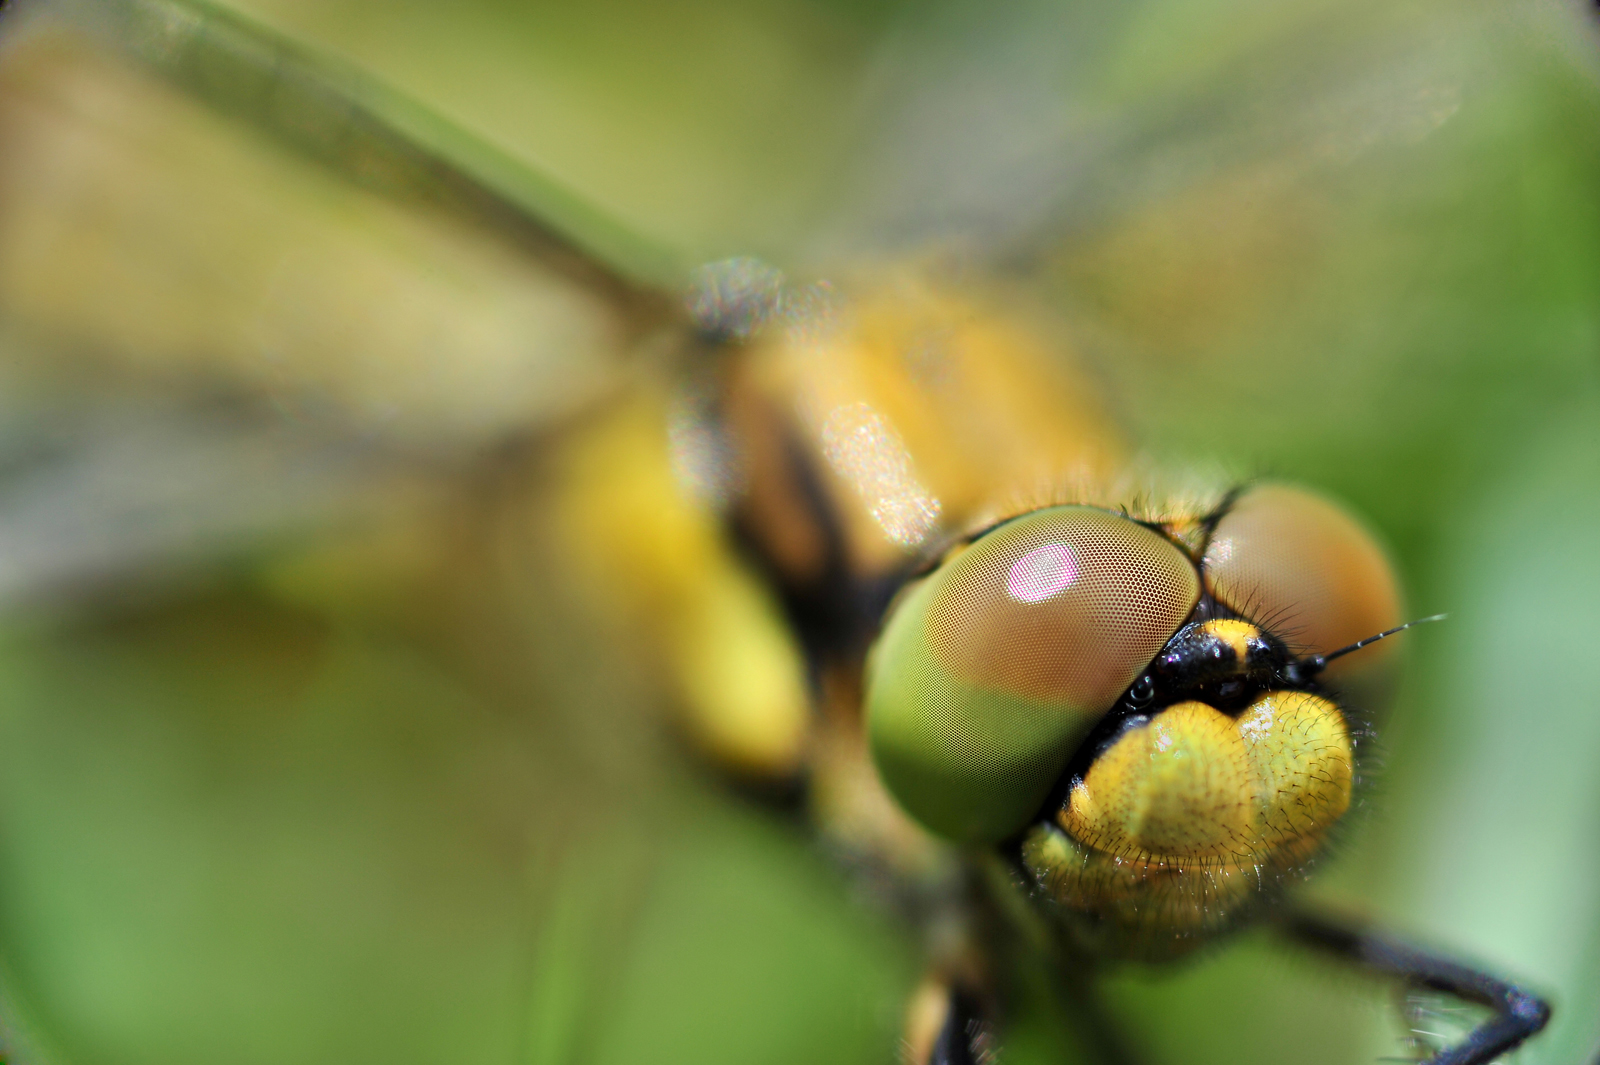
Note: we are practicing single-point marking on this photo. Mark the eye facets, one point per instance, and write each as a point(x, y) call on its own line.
point(1293, 560)
point(1041, 573)
point(990, 674)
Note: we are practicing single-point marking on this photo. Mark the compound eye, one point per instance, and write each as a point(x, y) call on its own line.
point(991, 672)
point(1305, 569)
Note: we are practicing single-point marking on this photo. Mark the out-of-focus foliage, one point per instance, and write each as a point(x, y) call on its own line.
point(313, 749)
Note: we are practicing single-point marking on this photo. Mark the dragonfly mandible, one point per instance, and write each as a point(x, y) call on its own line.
point(397, 380)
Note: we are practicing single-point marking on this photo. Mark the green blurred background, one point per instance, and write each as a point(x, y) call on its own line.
point(312, 749)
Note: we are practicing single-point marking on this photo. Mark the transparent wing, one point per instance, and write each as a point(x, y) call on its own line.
point(311, 738)
point(1245, 200)
point(1028, 133)
point(196, 215)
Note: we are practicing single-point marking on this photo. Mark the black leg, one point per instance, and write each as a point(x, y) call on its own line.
point(1518, 1013)
point(946, 1025)
point(964, 1037)
point(951, 1025)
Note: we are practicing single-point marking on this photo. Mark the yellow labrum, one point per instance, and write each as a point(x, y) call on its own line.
point(1188, 816)
point(1236, 634)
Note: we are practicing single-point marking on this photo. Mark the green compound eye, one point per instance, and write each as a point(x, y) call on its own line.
point(990, 672)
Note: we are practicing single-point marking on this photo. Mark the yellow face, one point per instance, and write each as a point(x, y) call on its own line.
point(1145, 720)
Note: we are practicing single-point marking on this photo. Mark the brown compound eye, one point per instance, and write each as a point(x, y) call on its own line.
point(1304, 568)
point(991, 671)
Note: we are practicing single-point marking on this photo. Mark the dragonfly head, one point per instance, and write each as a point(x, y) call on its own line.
point(1155, 731)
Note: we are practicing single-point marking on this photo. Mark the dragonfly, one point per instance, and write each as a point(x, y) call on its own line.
point(370, 384)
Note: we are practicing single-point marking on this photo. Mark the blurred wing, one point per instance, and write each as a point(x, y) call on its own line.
point(365, 779)
point(244, 289)
point(1026, 133)
point(1243, 205)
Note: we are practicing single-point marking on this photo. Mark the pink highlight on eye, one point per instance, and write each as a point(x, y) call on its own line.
point(1041, 573)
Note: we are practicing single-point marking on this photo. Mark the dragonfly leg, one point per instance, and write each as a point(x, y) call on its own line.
point(946, 1025)
point(1518, 1014)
